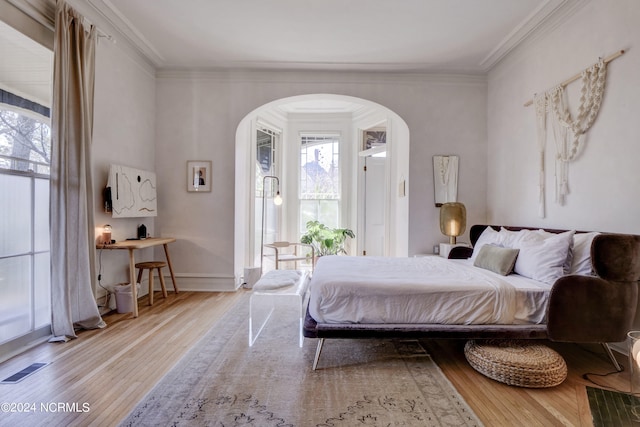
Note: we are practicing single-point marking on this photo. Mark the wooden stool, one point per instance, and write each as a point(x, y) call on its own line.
point(150, 265)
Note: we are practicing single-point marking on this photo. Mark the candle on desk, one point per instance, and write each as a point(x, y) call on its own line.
point(106, 234)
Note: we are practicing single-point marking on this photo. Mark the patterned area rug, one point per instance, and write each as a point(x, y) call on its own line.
point(224, 382)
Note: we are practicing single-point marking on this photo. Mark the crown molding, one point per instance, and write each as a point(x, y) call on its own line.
point(549, 10)
point(545, 17)
point(355, 67)
point(44, 11)
point(311, 116)
point(126, 30)
point(320, 77)
point(109, 31)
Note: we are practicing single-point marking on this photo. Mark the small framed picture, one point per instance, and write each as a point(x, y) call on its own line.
point(199, 176)
point(374, 138)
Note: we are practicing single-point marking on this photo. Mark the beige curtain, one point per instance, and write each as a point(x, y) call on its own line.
point(73, 303)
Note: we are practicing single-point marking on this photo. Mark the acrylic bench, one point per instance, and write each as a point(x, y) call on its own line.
point(290, 284)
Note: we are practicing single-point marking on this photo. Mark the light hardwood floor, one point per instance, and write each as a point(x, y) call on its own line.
point(114, 368)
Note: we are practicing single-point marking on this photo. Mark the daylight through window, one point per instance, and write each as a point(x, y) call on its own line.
point(320, 179)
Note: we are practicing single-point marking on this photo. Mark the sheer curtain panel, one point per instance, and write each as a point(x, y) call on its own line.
point(73, 304)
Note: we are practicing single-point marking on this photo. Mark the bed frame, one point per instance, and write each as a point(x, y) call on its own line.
point(581, 309)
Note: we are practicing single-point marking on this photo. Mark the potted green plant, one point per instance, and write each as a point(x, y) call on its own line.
point(325, 240)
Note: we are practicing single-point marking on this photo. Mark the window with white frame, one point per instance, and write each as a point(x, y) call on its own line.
point(25, 150)
point(266, 146)
point(319, 186)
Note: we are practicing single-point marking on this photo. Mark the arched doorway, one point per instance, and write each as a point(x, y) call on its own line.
point(282, 118)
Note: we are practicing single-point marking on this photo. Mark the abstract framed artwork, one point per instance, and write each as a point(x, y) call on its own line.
point(445, 179)
point(199, 176)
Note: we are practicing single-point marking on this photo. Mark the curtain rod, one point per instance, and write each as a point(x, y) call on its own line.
point(579, 75)
point(99, 32)
point(103, 35)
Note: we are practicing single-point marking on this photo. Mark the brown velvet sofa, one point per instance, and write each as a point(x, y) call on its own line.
point(581, 309)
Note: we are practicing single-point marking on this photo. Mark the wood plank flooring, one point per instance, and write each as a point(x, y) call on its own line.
point(564, 405)
point(112, 369)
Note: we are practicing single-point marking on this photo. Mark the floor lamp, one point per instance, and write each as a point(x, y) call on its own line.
point(277, 200)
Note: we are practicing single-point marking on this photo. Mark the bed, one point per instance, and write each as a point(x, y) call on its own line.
point(589, 297)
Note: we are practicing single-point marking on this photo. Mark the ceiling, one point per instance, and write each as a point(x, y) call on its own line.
point(459, 36)
point(433, 36)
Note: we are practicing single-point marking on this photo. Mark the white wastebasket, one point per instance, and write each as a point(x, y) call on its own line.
point(124, 300)
point(251, 276)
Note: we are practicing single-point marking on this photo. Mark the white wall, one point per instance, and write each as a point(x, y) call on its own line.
point(604, 178)
point(123, 133)
point(198, 114)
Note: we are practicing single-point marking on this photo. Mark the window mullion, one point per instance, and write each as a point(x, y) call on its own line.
point(32, 256)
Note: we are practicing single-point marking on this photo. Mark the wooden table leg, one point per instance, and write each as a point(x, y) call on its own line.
point(132, 280)
point(173, 277)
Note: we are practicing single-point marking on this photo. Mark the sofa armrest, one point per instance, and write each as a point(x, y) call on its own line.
point(589, 309)
point(460, 252)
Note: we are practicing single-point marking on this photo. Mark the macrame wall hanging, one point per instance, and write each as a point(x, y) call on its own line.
point(568, 131)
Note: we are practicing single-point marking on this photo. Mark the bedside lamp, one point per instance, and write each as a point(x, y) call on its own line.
point(453, 221)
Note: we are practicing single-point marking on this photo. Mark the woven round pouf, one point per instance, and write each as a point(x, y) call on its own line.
point(519, 363)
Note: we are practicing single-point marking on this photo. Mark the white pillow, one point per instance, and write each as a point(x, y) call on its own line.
point(510, 238)
point(488, 237)
point(566, 267)
point(543, 257)
point(581, 262)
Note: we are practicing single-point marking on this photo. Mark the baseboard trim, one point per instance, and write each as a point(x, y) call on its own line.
point(197, 283)
point(22, 344)
point(186, 282)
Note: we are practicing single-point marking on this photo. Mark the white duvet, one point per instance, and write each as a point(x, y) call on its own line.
point(429, 289)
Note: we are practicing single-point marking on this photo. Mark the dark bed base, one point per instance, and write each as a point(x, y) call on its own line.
point(313, 329)
point(582, 309)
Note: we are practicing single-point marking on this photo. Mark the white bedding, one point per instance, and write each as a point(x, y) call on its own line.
point(429, 289)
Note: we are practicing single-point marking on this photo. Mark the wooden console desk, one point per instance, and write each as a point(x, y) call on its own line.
point(132, 245)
